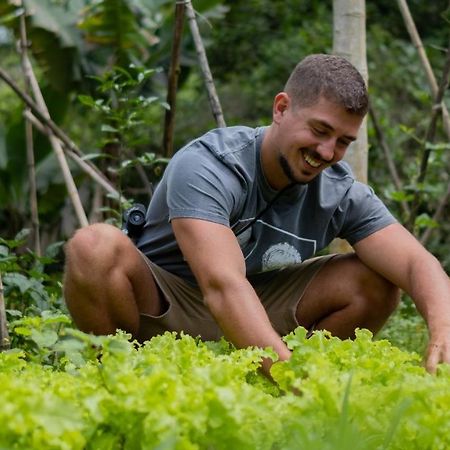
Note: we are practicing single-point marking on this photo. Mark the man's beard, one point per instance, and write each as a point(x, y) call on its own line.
point(287, 170)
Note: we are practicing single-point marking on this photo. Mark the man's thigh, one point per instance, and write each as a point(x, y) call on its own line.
point(346, 294)
point(281, 292)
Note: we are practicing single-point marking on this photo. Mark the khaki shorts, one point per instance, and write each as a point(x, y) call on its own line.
point(279, 292)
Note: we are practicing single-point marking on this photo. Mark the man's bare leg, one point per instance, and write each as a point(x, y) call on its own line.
point(107, 283)
point(345, 295)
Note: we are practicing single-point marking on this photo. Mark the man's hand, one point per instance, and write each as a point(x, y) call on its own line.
point(394, 253)
point(438, 351)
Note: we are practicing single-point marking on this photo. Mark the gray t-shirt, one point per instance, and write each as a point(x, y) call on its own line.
point(218, 177)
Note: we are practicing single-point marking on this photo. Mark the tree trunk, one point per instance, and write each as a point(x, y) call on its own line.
point(349, 41)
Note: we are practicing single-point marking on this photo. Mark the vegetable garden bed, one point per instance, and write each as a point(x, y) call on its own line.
point(76, 391)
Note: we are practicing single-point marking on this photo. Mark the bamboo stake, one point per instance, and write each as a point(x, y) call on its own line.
point(48, 122)
point(87, 168)
point(37, 111)
point(57, 148)
point(4, 335)
point(207, 76)
point(431, 131)
point(388, 155)
point(29, 143)
point(415, 38)
point(174, 72)
point(97, 202)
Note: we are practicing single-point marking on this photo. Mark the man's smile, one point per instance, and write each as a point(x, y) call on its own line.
point(313, 162)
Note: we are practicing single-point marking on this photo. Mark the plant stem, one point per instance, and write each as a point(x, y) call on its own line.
point(389, 159)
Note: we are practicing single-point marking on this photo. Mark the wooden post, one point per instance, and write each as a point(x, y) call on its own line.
point(349, 41)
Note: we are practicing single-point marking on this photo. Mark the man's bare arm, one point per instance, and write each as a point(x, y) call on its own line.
point(215, 258)
point(398, 256)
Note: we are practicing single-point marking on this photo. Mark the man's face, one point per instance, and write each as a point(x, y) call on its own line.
point(306, 140)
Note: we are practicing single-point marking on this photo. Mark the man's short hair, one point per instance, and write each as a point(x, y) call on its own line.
point(332, 77)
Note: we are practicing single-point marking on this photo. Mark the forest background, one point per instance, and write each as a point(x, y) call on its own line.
point(103, 70)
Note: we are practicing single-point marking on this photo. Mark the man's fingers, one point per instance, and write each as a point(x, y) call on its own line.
point(433, 358)
point(437, 353)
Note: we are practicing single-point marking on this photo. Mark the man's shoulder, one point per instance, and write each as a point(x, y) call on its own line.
point(333, 184)
point(339, 171)
point(229, 140)
point(232, 147)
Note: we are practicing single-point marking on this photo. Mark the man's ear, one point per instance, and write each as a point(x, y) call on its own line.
point(280, 105)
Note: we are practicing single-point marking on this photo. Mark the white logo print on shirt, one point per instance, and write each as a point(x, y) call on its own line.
point(280, 255)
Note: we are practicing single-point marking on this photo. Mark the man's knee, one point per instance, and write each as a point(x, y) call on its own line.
point(97, 244)
point(376, 295)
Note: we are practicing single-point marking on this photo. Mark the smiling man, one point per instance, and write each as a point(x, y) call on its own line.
point(232, 229)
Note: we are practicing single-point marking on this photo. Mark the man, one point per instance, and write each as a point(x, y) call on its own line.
point(233, 224)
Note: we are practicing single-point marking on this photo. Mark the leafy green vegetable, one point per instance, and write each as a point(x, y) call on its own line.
point(176, 392)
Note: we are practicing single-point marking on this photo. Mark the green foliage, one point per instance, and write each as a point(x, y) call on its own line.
point(125, 27)
point(62, 55)
point(123, 106)
point(252, 62)
point(406, 329)
point(39, 336)
point(28, 289)
point(363, 394)
point(181, 393)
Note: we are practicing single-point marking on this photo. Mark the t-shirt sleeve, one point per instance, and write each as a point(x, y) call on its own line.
point(361, 213)
point(201, 186)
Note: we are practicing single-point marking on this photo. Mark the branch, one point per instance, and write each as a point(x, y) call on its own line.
point(174, 72)
point(207, 76)
point(437, 216)
point(4, 335)
point(431, 131)
point(388, 155)
point(415, 38)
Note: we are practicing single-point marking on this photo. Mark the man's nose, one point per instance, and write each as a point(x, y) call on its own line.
point(326, 149)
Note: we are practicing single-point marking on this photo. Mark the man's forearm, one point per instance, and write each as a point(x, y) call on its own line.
point(243, 320)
